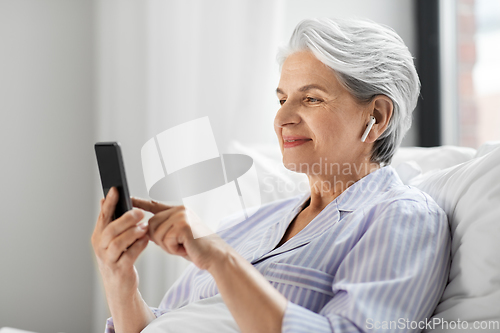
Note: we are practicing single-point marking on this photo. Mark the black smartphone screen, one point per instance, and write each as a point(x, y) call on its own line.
point(112, 172)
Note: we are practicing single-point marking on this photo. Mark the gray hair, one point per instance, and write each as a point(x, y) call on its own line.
point(368, 59)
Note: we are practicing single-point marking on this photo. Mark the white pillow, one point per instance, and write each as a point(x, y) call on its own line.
point(410, 162)
point(207, 315)
point(487, 147)
point(434, 157)
point(469, 193)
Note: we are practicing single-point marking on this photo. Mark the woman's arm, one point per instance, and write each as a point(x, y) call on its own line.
point(117, 244)
point(129, 312)
point(254, 303)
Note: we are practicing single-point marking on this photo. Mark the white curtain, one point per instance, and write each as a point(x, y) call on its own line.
point(160, 63)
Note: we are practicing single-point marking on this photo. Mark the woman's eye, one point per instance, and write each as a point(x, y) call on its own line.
point(282, 101)
point(312, 100)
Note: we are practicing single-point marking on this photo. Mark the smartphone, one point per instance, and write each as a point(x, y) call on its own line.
point(112, 172)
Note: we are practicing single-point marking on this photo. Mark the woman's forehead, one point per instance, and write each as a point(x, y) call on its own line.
point(303, 69)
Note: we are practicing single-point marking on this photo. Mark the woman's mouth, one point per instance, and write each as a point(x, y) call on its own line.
point(294, 142)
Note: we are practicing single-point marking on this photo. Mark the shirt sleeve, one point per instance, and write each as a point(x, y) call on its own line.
point(392, 278)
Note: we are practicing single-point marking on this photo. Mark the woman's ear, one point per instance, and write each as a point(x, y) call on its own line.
point(381, 107)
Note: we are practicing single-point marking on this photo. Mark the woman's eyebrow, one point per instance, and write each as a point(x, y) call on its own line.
point(304, 88)
point(311, 87)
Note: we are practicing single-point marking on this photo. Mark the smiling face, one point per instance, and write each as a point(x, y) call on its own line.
point(319, 120)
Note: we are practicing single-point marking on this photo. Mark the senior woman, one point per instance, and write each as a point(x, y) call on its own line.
point(359, 252)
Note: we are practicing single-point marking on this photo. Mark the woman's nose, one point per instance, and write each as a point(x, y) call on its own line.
point(286, 115)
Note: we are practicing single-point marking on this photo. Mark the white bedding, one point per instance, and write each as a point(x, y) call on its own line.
point(206, 315)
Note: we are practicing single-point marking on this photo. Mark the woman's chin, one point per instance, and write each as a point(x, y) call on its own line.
point(295, 165)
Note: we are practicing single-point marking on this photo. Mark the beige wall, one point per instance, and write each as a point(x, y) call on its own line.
point(46, 169)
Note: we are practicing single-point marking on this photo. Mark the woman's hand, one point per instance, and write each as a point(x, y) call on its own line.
point(172, 228)
point(254, 303)
point(117, 244)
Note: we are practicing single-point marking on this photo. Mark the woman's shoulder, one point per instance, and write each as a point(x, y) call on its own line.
point(395, 193)
point(384, 189)
point(406, 195)
point(408, 206)
point(395, 203)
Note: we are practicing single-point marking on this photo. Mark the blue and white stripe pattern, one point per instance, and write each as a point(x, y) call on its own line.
point(378, 253)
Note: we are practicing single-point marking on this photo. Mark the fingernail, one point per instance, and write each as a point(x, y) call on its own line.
point(143, 225)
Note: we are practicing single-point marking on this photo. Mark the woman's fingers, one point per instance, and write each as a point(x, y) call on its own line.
point(149, 205)
point(119, 245)
point(162, 218)
point(172, 232)
point(130, 256)
point(171, 240)
point(107, 208)
point(159, 228)
point(120, 225)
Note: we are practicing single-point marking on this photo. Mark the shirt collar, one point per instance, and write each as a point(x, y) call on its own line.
point(368, 188)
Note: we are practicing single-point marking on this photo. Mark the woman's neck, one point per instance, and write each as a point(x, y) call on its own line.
point(335, 179)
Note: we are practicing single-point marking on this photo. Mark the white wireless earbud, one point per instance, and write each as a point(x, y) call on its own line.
point(368, 128)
